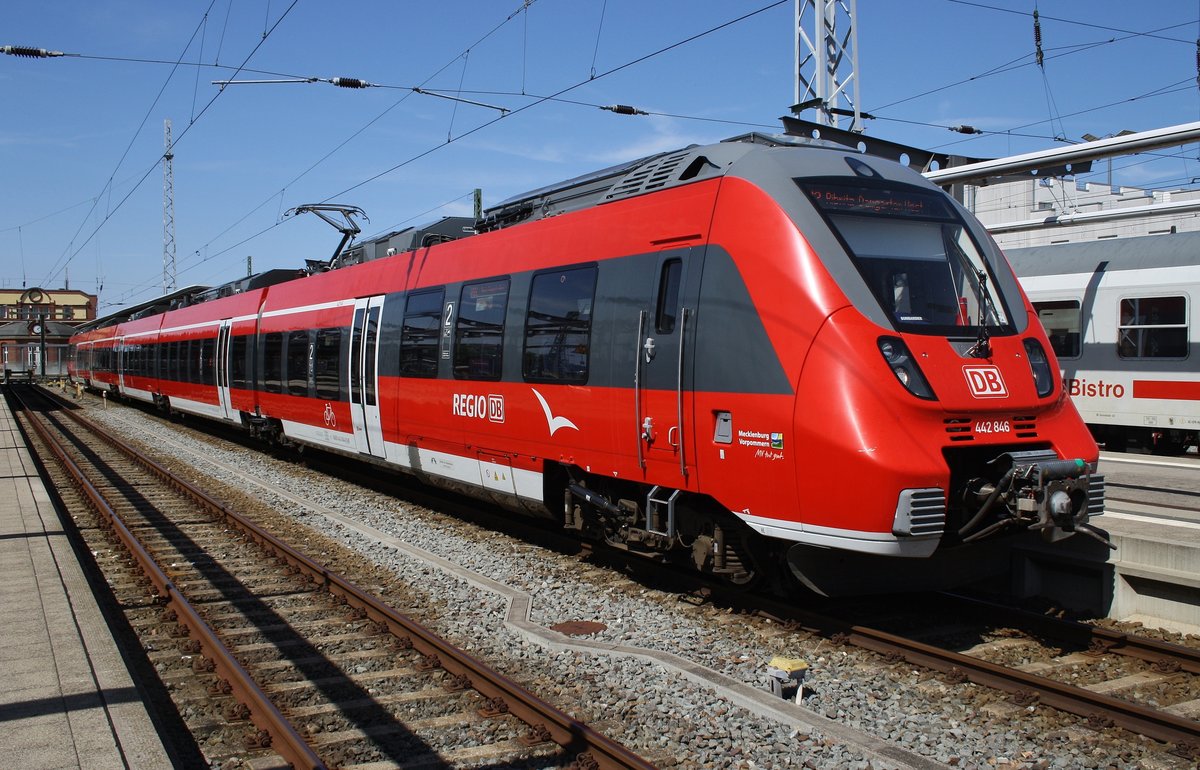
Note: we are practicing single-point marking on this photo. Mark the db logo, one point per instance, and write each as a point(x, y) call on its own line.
point(985, 381)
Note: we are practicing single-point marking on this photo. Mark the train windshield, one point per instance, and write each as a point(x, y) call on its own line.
point(916, 255)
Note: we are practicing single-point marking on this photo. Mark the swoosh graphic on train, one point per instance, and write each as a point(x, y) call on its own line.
point(554, 423)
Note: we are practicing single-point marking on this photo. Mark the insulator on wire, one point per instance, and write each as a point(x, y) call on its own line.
point(1198, 63)
point(966, 129)
point(31, 53)
point(624, 109)
point(1037, 39)
point(350, 83)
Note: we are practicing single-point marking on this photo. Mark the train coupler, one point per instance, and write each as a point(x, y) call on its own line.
point(1035, 490)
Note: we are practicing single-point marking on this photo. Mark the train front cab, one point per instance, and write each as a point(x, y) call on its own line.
point(922, 437)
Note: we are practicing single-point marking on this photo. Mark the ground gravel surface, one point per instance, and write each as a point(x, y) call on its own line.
point(462, 580)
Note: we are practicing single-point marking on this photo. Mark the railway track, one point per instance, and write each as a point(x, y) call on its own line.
point(1114, 694)
point(1107, 677)
point(296, 663)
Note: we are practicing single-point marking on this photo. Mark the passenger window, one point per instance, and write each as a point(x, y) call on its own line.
point(327, 364)
point(419, 335)
point(297, 363)
point(1153, 327)
point(558, 326)
point(237, 361)
point(272, 362)
point(1061, 322)
point(188, 353)
point(668, 296)
point(206, 371)
point(479, 330)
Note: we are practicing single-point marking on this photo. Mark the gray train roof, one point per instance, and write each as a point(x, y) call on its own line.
point(637, 177)
point(1173, 250)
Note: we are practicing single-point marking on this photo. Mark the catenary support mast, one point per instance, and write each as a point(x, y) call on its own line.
point(168, 211)
point(827, 61)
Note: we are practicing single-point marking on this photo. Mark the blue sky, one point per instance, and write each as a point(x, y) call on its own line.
point(82, 136)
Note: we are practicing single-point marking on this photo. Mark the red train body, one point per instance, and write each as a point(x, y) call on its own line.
point(743, 355)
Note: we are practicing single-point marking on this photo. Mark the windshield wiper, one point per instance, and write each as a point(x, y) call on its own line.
point(983, 346)
point(987, 309)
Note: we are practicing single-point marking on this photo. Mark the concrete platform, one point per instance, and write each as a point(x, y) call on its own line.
point(67, 699)
point(1153, 577)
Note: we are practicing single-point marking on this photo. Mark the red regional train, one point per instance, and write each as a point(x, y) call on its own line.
point(761, 352)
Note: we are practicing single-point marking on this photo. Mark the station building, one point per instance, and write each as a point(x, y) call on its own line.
point(35, 325)
point(1040, 212)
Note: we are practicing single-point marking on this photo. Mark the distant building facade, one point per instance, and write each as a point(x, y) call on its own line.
point(68, 306)
point(35, 325)
point(1039, 212)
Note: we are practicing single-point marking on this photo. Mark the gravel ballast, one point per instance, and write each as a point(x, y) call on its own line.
point(683, 685)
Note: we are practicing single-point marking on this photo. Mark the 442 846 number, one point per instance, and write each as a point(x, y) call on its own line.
point(993, 426)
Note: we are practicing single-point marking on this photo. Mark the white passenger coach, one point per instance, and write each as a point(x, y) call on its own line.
point(1118, 313)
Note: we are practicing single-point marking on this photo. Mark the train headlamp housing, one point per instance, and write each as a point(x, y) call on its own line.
point(904, 366)
point(1039, 363)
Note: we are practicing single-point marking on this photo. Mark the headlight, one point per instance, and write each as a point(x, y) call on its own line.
point(902, 364)
point(1043, 377)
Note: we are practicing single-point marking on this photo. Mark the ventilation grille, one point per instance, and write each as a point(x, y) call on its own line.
point(650, 176)
point(1025, 427)
point(1096, 494)
point(959, 429)
point(920, 513)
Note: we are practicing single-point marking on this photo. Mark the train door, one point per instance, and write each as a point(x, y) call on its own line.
point(662, 393)
point(119, 360)
point(222, 366)
point(364, 375)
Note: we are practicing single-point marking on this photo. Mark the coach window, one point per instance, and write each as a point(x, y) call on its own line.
point(1061, 322)
point(668, 296)
point(237, 361)
point(189, 362)
point(272, 362)
point(479, 330)
point(558, 326)
point(298, 350)
point(189, 353)
point(195, 351)
point(208, 355)
point(1153, 327)
point(419, 336)
point(327, 364)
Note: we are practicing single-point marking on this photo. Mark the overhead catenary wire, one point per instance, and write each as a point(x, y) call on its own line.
point(1166, 90)
point(1153, 34)
point(537, 100)
point(560, 92)
point(525, 5)
point(56, 269)
point(121, 161)
point(217, 222)
point(479, 41)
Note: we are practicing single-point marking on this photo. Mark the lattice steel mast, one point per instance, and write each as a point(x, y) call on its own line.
point(827, 61)
point(168, 211)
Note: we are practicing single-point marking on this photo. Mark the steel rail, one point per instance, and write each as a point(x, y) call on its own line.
point(1099, 709)
point(284, 739)
point(1152, 723)
point(547, 722)
point(1096, 639)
